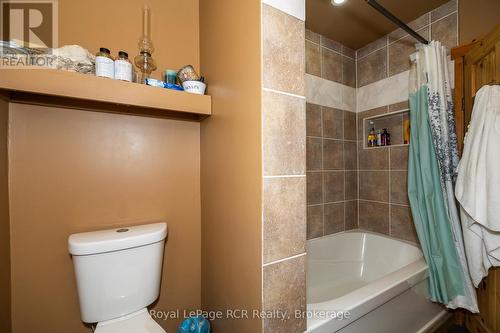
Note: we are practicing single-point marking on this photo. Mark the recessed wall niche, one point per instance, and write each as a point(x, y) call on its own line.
point(396, 124)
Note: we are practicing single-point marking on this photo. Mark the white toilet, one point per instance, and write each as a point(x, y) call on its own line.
point(118, 274)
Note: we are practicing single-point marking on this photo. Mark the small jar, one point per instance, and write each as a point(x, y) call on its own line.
point(123, 67)
point(170, 76)
point(104, 64)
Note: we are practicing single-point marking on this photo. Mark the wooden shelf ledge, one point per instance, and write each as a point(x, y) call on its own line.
point(52, 87)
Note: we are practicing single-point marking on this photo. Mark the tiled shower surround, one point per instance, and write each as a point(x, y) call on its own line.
point(350, 186)
point(332, 177)
point(390, 54)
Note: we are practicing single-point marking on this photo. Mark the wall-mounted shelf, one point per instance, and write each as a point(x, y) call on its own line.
point(393, 122)
point(87, 92)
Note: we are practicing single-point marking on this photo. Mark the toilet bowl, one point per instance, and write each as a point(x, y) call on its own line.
point(118, 274)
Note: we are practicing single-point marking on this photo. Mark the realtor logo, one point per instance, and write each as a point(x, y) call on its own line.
point(29, 23)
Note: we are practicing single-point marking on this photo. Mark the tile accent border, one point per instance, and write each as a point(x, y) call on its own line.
point(329, 93)
point(390, 90)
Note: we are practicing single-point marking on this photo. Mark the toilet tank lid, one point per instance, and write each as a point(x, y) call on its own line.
point(101, 241)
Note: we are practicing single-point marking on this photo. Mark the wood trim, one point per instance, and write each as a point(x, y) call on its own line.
point(88, 92)
point(497, 55)
point(462, 50)
point(478, 64)
point(459, 102)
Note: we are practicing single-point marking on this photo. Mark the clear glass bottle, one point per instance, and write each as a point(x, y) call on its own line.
point(123, 67)
point(104, 64)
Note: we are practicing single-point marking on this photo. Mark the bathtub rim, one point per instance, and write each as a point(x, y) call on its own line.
point(374, 294)
point(363, 231)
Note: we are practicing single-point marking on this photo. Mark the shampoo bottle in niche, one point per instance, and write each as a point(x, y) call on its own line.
point(406, 131)
point(371, 136)
point(386, 138)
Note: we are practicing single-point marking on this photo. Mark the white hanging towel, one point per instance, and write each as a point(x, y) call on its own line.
point(478, 185)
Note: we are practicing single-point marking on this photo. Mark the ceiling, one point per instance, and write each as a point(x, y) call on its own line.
point(355, 23)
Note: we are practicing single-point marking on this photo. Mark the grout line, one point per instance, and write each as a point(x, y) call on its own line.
point(399, 204)
point(344, 192)
point(371, 52)
point(419, 30)
point(442, 18)
point(342, 170)
point(387, 55)
point(329, 49)
point(356, 80)
point(385, 203)
point(342, 75)
point(426, 26)
point(332, 139)
point(284, 259)
point(388, 113)
point(331, 203)
point(382, 170)
point(357, 155)
point(430, 26)
point(389, 186)
point(320, 62)
point(322, 176)
point(283, 93)
point(283, 176)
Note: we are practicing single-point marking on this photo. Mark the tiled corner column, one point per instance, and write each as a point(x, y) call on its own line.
point(284, 164)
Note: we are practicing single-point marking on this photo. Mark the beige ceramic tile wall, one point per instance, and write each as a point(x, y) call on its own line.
point(284, 167)
point(332, 180)
point(389, 55)
point(330, 60)
point(383, 172)
point(380, 201)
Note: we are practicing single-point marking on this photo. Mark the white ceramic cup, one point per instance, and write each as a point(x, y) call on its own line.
point(195, 87)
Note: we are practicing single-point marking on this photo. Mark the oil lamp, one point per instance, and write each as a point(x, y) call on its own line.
point(144, 60)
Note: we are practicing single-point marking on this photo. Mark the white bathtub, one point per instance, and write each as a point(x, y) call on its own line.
point(379, 282)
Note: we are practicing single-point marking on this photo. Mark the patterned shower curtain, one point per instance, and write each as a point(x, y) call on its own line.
point(432, 172)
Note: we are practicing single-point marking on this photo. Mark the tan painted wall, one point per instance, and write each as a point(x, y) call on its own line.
point(74, 171)
point(231, 161)
point(117, 25)
point(477, 18)
point(4, 222)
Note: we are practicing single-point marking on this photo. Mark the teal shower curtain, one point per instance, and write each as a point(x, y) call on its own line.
point(428, 208)
point(433, 160)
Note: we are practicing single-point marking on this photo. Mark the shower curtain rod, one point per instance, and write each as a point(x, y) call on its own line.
point(381, 9)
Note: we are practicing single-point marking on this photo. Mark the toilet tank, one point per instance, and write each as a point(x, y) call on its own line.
point(117, 271)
